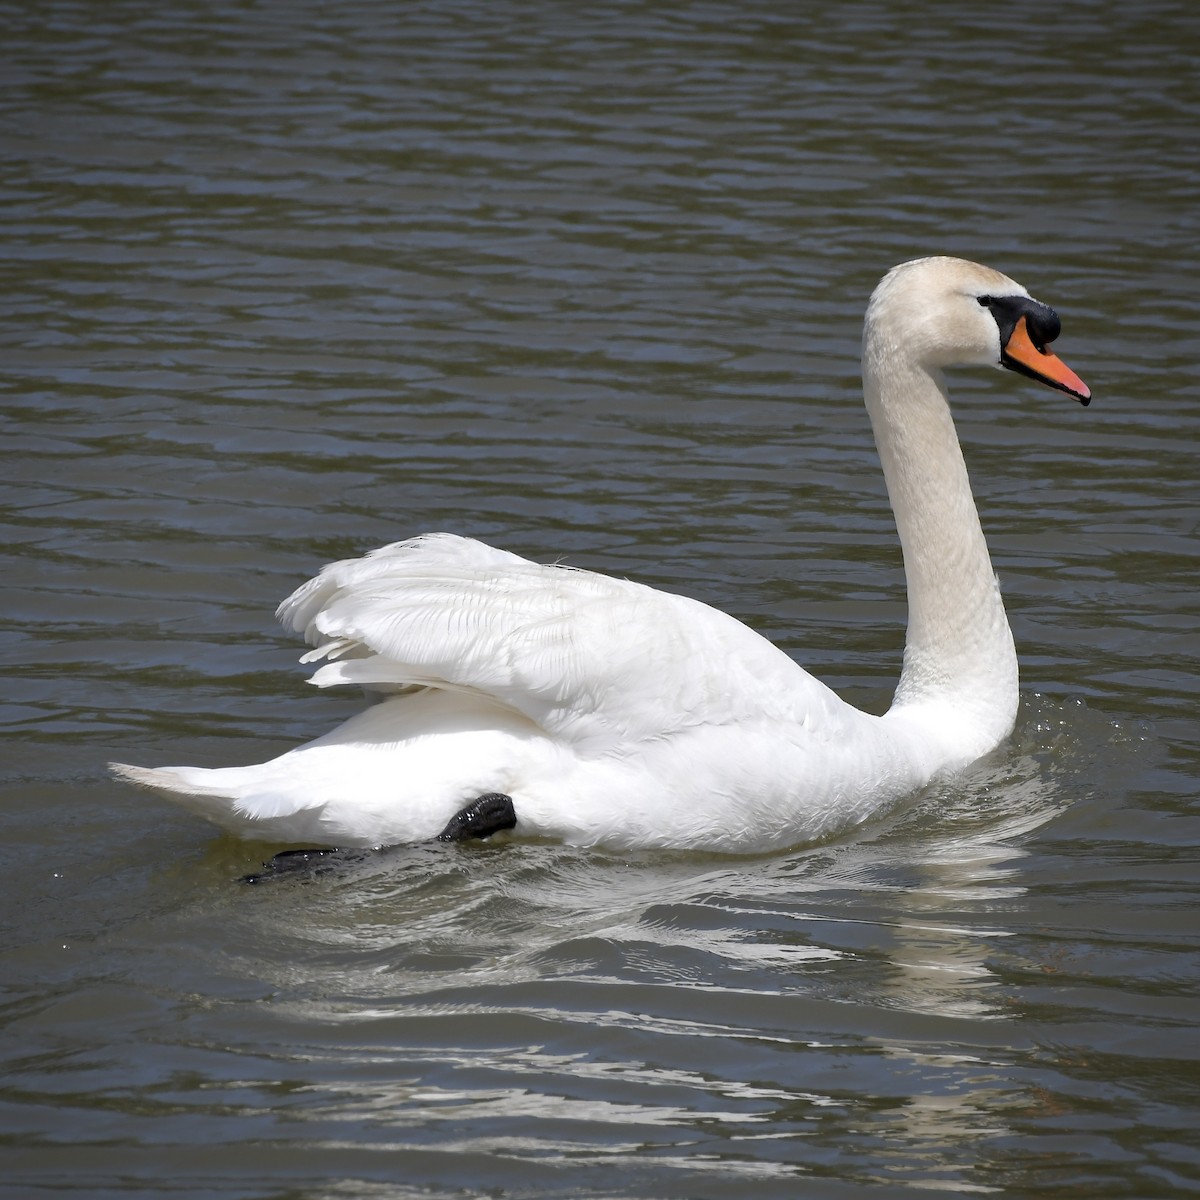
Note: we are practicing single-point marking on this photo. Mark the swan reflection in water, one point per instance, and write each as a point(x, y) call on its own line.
point(434, 985)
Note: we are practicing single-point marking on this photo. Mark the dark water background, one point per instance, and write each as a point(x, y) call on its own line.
point(283, 282)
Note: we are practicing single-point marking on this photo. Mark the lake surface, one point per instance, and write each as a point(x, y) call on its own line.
point(283, 283)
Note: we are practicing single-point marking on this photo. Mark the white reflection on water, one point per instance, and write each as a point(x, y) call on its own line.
point(424, 919)
point(571, 961)
point(724, 1016)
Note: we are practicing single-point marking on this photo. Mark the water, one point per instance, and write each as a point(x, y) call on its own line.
point(283, 284)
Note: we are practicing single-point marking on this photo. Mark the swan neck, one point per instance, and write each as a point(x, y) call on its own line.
point(959, 648)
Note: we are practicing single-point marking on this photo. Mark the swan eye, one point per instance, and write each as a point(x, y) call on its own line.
point(984, 301)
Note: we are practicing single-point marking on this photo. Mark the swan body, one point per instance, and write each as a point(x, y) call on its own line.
point(612, 713)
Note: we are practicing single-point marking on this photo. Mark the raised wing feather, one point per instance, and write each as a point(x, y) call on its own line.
point(587, 658)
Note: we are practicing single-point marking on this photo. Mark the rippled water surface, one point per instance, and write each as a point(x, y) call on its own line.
point(282, 283)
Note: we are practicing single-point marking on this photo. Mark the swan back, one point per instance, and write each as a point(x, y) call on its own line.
point(594, 661)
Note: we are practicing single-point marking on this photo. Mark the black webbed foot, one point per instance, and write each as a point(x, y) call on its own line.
point(307, 863)
point(481, 818)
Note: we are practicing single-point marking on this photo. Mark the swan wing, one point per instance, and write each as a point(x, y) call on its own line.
point(589, 659)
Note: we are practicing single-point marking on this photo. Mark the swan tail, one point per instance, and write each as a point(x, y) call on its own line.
point(175, 782)
point(228, 797)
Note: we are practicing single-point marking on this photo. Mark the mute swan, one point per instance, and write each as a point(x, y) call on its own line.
point(598, 711)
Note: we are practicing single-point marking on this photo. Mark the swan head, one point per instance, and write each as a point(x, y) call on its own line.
point(940, 312)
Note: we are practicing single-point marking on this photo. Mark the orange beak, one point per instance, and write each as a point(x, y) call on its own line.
point(1021, 355)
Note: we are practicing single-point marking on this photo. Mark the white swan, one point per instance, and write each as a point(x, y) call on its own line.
point(595, 710)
